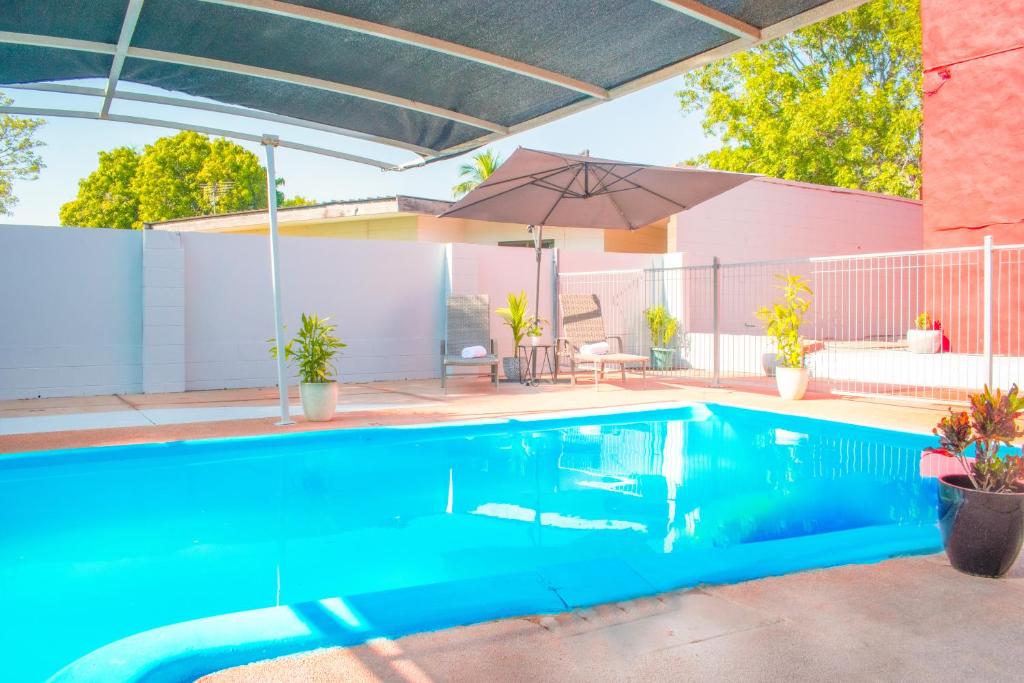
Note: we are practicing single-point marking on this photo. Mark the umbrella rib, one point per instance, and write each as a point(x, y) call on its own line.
point(557, 200)
point(652, 192)
point(506, 191)
point(600, 183)
point(622, 214)
point(618, 178)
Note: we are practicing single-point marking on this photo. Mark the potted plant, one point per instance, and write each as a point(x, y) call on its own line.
point(515, 317)
point(663, 329)
point(313, 349)
point(782, 322)
point(535, 329)
point(926, 337)
point(981, 512)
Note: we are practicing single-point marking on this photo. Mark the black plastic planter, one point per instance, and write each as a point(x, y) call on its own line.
point(982, 531)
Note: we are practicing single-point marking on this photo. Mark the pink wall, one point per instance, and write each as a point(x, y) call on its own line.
point(972, 149)
point(769, 218)
point(973, 140)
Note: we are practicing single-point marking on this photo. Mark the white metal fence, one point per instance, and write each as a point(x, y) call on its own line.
point(856, 330)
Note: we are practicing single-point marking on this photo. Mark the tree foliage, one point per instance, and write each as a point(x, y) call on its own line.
point(836, 103)
point(297, 200)
point(18, 157)
point(480, 168)
point(106, 197)
point(175, 177)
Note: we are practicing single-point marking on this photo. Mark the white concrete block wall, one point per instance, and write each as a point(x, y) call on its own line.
point(70, 312)
point(383, 296)
point(163, 312)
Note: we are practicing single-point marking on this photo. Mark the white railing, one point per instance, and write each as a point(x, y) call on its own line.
point(857, 328)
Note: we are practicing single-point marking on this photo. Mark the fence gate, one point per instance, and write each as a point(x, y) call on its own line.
point(865, 310)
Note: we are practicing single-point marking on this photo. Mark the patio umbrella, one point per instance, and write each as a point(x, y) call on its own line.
point(579, 191)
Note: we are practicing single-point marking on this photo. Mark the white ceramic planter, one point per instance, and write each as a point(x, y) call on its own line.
point(534, 341)
point(924, 341)
point(319, 400)
point(791, 382)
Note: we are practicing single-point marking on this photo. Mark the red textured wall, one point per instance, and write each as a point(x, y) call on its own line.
point(973, 138)
point(973, 157)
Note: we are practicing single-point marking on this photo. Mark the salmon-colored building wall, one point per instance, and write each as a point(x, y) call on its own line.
point(973, 159)
point(973, 137)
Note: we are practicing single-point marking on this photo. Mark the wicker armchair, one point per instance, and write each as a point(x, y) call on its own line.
point(582, 323)
point(469, 324)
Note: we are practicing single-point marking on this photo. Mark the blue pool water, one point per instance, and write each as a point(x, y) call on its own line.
point(438, 525)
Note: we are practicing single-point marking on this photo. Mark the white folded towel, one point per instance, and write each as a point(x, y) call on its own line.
point(595, 349)
point(474, 352)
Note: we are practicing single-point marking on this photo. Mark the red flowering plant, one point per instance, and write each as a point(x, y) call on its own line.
point(991, 425)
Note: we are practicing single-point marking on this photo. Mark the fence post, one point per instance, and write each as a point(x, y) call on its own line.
point(716, 320)
point(988, 310)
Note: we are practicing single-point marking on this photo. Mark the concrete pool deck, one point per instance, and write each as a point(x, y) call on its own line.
point(50, 423)
point(907, 619)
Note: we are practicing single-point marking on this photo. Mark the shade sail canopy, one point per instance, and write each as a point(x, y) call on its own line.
point(436, 77)
point(574, 191)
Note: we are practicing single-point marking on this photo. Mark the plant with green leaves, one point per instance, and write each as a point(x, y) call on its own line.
point(783, 319)
point(992, 424)
point(835, 103)
point(535, 326)
point(313, 349)
point(662, 326)
point(480, 168)
point(18, 157)
point(924, 321)
point(514, 315)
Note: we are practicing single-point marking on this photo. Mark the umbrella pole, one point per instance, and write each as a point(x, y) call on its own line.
point(538, 240)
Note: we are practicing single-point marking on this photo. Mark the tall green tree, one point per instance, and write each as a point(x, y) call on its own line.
point(18, 157)
point(175, 177)
point(836, 103)
point(479, 169)
point(106, 197)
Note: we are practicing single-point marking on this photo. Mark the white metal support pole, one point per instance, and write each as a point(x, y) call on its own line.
point(269, 143)
point(716, 351)
point(988, 310)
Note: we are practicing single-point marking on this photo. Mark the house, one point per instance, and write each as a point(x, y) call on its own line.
point(765, 218)
point(414, 219)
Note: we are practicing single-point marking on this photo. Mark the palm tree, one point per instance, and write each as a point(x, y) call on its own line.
point(478, 170)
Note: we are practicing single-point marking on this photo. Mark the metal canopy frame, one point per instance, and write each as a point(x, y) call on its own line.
point(745, 37)
point(745, 34)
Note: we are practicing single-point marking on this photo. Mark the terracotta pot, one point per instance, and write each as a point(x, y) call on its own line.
point(924, 341)
point(982, 531)
point(791, 382)
point(319, 400)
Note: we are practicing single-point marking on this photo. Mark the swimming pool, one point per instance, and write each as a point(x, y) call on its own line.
point(349, 534)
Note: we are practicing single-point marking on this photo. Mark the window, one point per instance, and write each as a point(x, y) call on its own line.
point(547, 244)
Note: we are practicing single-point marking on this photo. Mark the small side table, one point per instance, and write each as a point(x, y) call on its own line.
point(528, 370)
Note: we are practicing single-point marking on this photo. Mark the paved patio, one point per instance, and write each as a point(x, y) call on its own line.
point(49, 423)
point(909, 619)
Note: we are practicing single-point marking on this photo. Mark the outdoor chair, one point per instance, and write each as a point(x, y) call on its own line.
point(583, 324)
point(468, 324)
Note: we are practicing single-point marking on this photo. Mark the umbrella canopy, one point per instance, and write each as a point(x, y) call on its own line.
point(579, 191)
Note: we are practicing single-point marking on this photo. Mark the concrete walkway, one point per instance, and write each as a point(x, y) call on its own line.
point(910, 619)
point(48, 423)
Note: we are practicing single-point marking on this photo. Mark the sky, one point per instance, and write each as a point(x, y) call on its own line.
point(645, 127)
